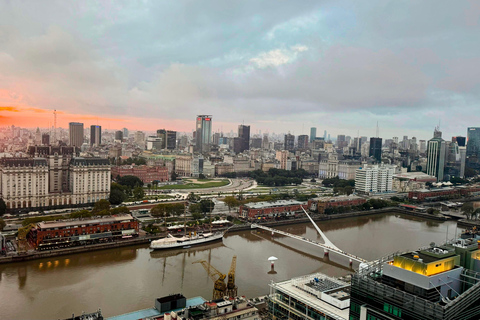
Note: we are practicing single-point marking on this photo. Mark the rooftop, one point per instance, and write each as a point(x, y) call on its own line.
point(62, 224)
point(267, 204)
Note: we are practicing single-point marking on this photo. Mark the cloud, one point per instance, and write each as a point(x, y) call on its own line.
point(277, 57)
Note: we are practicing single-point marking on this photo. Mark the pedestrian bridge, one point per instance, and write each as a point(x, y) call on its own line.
point(328, 246)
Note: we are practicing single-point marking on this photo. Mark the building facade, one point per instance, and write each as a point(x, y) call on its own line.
point(75, 133)
point(269, 210)
point(371, 179)
point(376, 149)
point(55, 180)
point(145, 173)
point(203, 133)
point(320, 204)
point(95, 135)
point(289, 142)
point(436, 149)
point(332, 167)
point(244, 135)
point(57, 234)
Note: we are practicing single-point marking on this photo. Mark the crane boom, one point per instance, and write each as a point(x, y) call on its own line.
point(219, 287)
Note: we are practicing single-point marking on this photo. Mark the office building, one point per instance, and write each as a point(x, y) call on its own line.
point(162, 135)
point(376, 149)
point(332, 167)
point(341, 142)
point(436, 155)
point(75, 134)
point(313, 134)
point(154, 143)
point(311, 297)
point(119, 135)
point(423, 146)
point(95, 135)
point(372, 179)
point(171, 137)
point(140, 138)
point(302, 141)
point(45, 139)
point(244, 135)
point(203, 133)
point(125, 133)
point(289, 142)
point(473, 141)
point(433, 283)
point(461, 141)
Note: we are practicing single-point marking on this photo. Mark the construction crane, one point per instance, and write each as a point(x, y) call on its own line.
point(218, 278)
point(231, 287)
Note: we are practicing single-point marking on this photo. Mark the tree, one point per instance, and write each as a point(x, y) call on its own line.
point(467, 209)
point(175, 209)
point(431, 211)
point(2, 224)
point(206, 205)
point(101, 205)
point(192, 197)
point(138, 193)
point(119, 210)
point(201, 176)
point(231, 202)
point(174, 176)
point(117, 196)
point(131, 181)
point(80, 214)
point(3, 207)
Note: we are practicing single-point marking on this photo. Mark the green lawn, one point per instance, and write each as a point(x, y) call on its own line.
point(212, 184)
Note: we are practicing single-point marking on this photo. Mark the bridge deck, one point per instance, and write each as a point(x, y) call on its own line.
point(322, 245)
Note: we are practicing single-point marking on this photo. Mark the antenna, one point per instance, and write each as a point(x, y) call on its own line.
point(55, 126)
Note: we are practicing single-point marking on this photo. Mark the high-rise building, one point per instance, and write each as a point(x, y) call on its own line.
point(374, 179)
point(461, 141)
point(171, 143)
point(302, 141)
point(75, 134)
point(95, 135)
point(438, 282)
point(313, 134)
point(162, 135)
point(376, 149)
point(119, 135)
point(436, 155)
point(289, 142)
point(473, 141)
point(423, 146)
point(45, 139)
point(244, 135)
point(203, 133)
point(125, 133)
point(140, 138)
point(341, 141)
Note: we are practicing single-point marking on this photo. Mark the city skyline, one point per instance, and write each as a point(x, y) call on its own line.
point(327, 65)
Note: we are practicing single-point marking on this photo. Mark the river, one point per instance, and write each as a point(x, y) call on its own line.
point(122, 280)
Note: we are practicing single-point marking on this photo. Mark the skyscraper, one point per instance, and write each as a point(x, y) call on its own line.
point(203, 133)
point(473, 141)
point(376, 149)
point(436, 155)
point(341, 141)
point(289, 142)
point(461, 141)
point(313, 134)
point(95, 135)
point(244, 135)
point(171, 143)
point(162, 134)
point(119, 135)
point(75, 131)
point(303, 141)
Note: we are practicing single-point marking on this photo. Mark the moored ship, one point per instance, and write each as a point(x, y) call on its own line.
point(171, 242)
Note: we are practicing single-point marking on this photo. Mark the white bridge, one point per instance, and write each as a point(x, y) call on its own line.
point(327, 247)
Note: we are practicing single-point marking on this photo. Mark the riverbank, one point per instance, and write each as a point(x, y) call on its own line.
point(147, 239)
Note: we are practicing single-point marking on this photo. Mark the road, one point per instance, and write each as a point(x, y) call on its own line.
point(234, 186)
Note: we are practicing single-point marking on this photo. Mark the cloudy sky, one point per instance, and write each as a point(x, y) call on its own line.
point(279, 66)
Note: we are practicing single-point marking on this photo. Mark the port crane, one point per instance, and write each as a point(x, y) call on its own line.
point(220, 288)
point(231, 287)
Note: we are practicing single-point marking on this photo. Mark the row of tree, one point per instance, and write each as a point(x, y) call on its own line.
point(279, 177)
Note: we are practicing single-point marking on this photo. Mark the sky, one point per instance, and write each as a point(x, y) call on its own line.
point(278, 66)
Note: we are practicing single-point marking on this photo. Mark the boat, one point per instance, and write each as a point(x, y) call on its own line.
point(171, 242)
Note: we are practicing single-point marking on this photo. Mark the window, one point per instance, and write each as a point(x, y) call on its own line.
point(392, 309)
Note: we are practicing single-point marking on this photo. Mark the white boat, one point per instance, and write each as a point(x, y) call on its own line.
point(171, 242)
